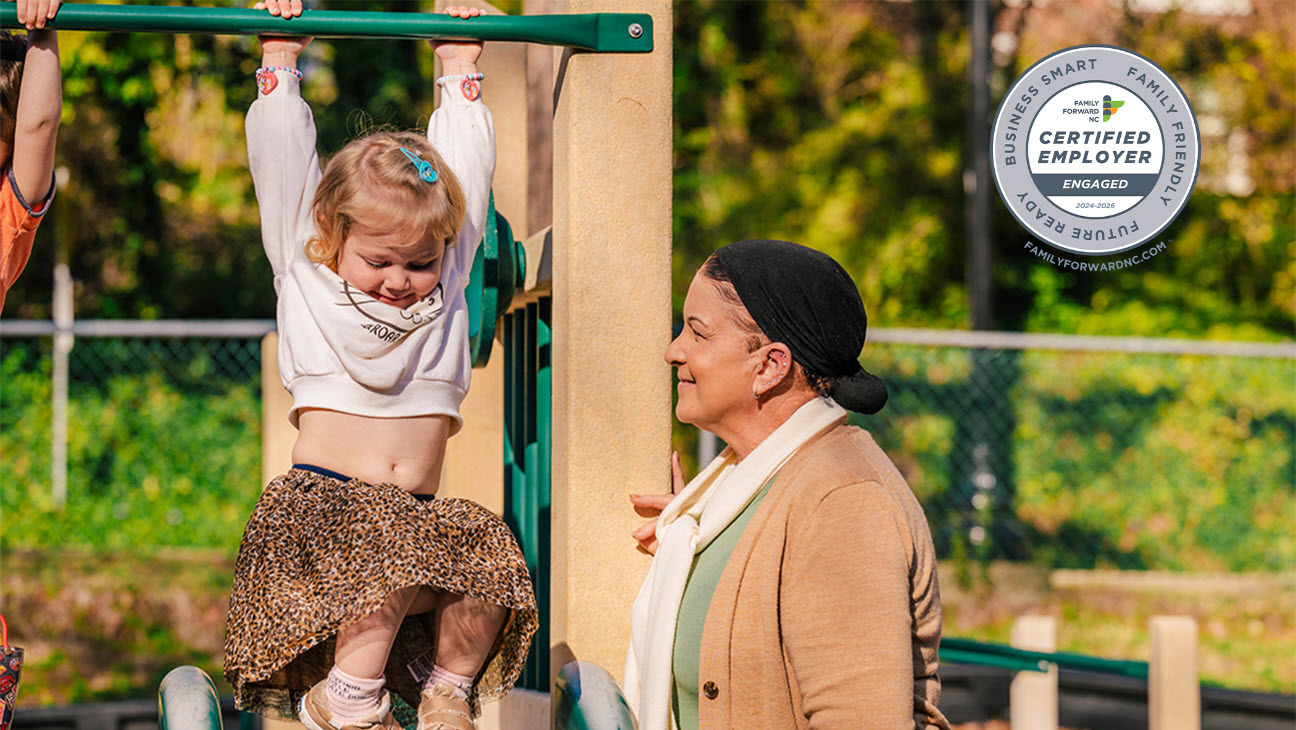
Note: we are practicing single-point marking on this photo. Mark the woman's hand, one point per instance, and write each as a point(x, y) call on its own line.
point(458, 57)
point(282, 50)
point(651, 505)
point(34, 13)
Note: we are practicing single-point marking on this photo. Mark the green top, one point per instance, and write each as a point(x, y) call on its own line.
point(702, 581)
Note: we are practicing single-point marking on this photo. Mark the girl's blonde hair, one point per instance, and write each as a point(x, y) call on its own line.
point(371, 183)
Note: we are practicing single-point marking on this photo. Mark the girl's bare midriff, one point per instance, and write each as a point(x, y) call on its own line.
point(407, 452)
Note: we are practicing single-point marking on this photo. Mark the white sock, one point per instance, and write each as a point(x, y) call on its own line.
point(462, 684)
point(352, 698)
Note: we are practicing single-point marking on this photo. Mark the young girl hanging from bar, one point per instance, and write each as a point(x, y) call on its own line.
point(352, 580)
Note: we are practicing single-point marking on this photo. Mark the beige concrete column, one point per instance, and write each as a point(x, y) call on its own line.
point(1033, 696)
point(611, 322)
point(1174, 695)
point(277, 435)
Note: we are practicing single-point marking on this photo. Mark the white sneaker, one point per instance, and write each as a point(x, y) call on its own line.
point(314, 713)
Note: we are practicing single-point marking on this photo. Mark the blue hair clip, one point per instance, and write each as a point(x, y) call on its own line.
point(425, 171)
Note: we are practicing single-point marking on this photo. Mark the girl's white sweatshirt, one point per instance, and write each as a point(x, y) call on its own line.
point(340, 349)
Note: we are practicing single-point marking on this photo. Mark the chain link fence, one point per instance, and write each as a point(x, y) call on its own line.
point(162, 445)
point(1068, 452)
point(1097, 452)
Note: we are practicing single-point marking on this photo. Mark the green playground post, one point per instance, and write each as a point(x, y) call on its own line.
point(601, 32)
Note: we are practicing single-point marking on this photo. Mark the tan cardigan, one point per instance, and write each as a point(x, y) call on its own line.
point(828, 612)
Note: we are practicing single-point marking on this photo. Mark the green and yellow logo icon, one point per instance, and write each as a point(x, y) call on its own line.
point(1110, 107)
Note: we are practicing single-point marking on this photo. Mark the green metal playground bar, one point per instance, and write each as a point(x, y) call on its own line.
point(965, 651)
point(601, 32)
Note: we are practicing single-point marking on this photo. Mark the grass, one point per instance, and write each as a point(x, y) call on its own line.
point(1246, 636)
point(100, 627)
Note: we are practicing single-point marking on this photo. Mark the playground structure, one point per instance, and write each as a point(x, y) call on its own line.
point(565, 391)
point(535, 444)
point(578, 353)
point(584, 142)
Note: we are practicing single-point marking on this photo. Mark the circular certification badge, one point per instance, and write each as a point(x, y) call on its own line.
point(1095, 150)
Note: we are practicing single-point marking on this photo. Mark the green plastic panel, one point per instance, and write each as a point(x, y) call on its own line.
point(602, 32)
point(527, 442)
point(498, 271)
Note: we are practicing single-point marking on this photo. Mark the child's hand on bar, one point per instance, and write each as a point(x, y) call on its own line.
point(282, 51)
point(459, 57)
point(34, 13)
point(283, 8)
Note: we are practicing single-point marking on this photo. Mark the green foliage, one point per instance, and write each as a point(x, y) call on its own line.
point(1105, 459)
point(154, 458)
point(815, 123)
point(842, 125)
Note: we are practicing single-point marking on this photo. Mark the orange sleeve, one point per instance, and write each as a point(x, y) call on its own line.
point(18, 223)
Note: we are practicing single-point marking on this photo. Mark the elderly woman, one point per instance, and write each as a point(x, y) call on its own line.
point(794, 581)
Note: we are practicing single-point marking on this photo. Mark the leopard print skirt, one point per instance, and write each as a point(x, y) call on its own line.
point(319, 553)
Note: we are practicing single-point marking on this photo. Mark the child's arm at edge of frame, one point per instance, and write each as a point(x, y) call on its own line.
point(462, 131)
point(36, 124)
point(280, 134)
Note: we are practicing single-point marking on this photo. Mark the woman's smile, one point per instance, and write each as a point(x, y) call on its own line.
point(712, 361)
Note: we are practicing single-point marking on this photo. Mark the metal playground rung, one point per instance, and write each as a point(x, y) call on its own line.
point(601, 32)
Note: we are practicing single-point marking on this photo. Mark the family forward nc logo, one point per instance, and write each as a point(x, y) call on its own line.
point(1095, 150)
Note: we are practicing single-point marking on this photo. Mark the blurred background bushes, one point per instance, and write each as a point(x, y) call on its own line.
point(836, 123)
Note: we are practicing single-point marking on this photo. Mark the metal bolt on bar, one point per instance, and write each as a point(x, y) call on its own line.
point(601, 32)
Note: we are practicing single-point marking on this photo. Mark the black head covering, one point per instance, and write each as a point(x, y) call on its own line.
point(806, 300)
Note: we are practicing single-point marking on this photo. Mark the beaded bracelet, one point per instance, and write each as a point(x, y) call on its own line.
point(459, 77)
point(469, 84)
point(266, 79)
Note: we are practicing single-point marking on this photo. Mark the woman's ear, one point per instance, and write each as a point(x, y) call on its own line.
point(774, 369)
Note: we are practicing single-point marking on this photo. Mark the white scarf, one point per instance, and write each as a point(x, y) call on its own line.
point(715, 498)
